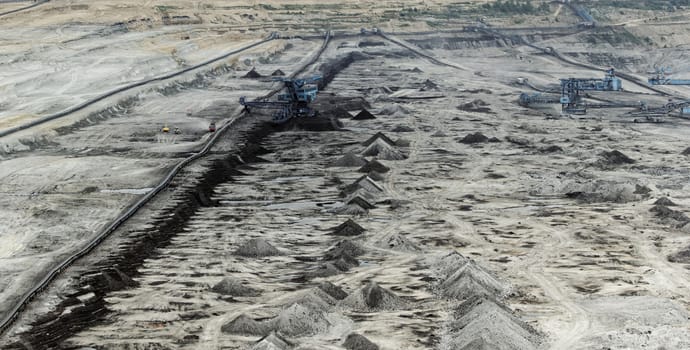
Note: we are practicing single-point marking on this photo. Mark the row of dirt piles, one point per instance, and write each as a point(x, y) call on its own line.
point(317, 310)
point(480, 320)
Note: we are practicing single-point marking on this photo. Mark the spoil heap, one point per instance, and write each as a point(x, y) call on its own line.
point(349, 160)
point(234, 287)
point(348, 228)
point(371, 298)
point(363, 115)
point(356, 341)
point(257, 247)
point(252, 74)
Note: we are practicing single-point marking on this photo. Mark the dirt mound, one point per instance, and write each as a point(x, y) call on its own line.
point(356, 341)
point(344, 248)
point(372, 297)
point(686, 152)
point(475, 106)
point(334, 291)
point(446, 264)
point(376, 176)
point(246, 325)
point(664, 212)
point(518, 140)
point(416, 70)
point(402, 128)
point(363, 182)
point(252, 74)
point(234, 287)
point(477, 137)
point(439, 133)
point(257, 247)
point(349, 160)
point(360, 202)
point(300, 320)
point(348, 228)
point(397, 242)
point(394, 109)
point(278, 73)
point(615, 158)
point(484, 322)
point(324, 270)
point(600, 191)
point(272, 342)
point(551, 149)
point(402, 142)
point(665, 201)
point(313, 297)
point(383, 150)
point(378, 136)
point(429, 85)
point(470, 280)
point(363, 115)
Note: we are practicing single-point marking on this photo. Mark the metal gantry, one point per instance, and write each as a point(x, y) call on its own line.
point(294, 102)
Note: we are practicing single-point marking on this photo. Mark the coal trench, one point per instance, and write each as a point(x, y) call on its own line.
point(86, 306)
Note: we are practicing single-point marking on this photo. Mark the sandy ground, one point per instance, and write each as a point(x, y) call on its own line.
point(564, 234)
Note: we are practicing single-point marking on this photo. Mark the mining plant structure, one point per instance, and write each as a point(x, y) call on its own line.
point(572, 90)
point(294, 102)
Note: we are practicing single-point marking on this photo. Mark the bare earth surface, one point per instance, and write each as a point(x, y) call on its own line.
point(443, 216)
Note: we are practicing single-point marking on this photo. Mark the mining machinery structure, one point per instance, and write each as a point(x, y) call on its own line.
point(294, 102)
point(572, 88)
point(660, 78)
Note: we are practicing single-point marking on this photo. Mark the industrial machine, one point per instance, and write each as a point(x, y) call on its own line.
point(294, 102)
point(659, 78)
point(571, 93)
point(571, 88)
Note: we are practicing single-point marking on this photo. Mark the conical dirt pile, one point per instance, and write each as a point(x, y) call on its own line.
point(477, 137)
point(348, 228)
point(349, 160)
point(382, 150)
point(257, 247)
point(469, 280)
point(363, 115)
point(234, 287)
point(333, 290)
point(245, 325)
point(356, 341)
point(278, 73)
point(378, 136)
point(397, 242)
point(373, 297)
point(665, 201)
point(374, 165)
point(252, 74)
point(300, 320)
point(272, 342)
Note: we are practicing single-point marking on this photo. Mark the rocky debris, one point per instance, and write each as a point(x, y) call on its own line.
point(246, 325)
point(252, 74)
point(402, 128)
point(615, 158)
point(356, 341)
point(477, 137)
point(257, 247)
point(665, 202)
point(686, 152)
point(484, 323)
point(300, 320)
point(349, 160)
point(378, 136)
point(601, 191)
point(348, 228)
point(551, 149)
point(278, 73)
point(475, 106)
point(334, 291)
point(396, 241)
point(664, 212)
point(272, 342)
point(234, 287)
point(371, 298)
point(363, 115)
point(383, 150)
